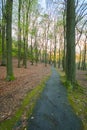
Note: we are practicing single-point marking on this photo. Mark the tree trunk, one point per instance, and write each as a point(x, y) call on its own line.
point(36, 49)
point(79, 64)
point(84, 58)
point(45, 53)
point(59, 59)
point(46, 40)
point(55, 51)
point(40, 55)
point(32, 57)
point(26, 33)
point(50, 60)
point(70, 34)
point(3, 62)
point(9, 4)
point(19, 34)
point(64, 53)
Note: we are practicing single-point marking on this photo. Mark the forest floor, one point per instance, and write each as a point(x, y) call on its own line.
point(12, 93)
point(82, 78)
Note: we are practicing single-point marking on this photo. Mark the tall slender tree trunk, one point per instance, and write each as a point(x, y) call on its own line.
point(59, 59)
point(36, 49)
point(24, 22)
point(19, 34)
point(9, 4)
point(26, 33)
point(55, 51)
point(40, 55)
point(79, 64)
point(26, 41)
point(60, 43)
point(3, 62)
point(32, 55)
point(84, 58)
point(46, 52)
point(50, 60)
point(64, 53)
point(70, 34)
point(46, 40)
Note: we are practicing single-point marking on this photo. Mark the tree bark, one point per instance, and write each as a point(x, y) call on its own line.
point(9, 4)
point(19, 34)
point(3, 62)
point(32, 55)
point(64, 53)
point(70, 34)
point(84, 58)
point(55, 51)
point(79, 64)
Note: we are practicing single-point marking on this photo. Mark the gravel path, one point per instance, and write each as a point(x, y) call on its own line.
point(53, 111)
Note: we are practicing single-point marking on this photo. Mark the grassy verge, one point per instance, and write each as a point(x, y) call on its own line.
point(77, 98)
point(25, 109)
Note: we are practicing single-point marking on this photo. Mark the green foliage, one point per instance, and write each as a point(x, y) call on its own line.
point(68, 85)
point(14, 44)
point(14, 48)
point(33, 5)
point(14, 52)
point(33, 31)
point(10, 78)
point(27, 106)
point(46, 16)
point(50, 36)
point(34, 54)
point(59, 22)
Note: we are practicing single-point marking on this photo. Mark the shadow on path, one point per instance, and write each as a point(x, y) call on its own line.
point(52, 111)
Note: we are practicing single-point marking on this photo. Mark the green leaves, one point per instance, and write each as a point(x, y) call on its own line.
point(50, 35)
point(33, 31)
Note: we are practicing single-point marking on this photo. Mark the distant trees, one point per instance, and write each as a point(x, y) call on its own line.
point(25, 11)
point(81, 29)
point(82, 45)
point(47, 37)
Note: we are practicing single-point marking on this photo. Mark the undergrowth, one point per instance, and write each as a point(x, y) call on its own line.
point(77, 98)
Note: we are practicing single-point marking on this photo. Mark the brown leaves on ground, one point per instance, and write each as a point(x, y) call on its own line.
point(12, 93)
point(82, 78)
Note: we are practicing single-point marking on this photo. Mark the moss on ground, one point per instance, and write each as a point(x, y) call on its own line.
point(10, 78)
point(77, 98)
point(26, 108)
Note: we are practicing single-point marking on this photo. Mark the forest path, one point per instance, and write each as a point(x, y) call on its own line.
point(53, 111)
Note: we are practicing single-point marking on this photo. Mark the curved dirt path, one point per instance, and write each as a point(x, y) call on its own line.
point(52, 111)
